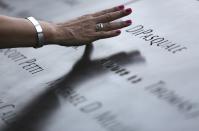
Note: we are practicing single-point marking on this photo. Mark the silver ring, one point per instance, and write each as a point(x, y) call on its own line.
point(99, 27)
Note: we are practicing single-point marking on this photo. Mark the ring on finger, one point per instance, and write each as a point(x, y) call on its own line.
point(99, 27)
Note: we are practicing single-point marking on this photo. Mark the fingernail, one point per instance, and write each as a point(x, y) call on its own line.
point(129, 10)
point(128, 22)
point(118, 31)
point(121, 7)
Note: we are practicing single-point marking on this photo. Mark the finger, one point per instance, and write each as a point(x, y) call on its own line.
point(113, 16)
point(121, 7)
point(108, 34)
point(116, 25)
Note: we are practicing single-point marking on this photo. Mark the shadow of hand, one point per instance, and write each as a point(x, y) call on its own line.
point(40, 109)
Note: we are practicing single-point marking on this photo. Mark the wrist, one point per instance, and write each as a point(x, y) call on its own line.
point(50, 32)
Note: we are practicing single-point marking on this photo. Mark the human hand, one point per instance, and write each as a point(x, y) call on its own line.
point(89, 28)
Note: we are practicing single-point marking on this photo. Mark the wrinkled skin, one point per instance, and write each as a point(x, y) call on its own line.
point(83, 31)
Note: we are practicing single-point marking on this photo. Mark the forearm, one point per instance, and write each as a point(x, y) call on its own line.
point(18, 32)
